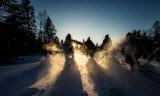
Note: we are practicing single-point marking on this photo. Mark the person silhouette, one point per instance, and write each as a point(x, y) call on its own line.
point(68, 49)
point(130, 50)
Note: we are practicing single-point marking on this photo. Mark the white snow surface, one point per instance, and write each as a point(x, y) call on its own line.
point(21, 79)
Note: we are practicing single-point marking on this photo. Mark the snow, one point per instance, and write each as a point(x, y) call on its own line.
point(27, 59)
point(61, 79)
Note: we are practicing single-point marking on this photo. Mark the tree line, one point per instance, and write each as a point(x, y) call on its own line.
point(23, 33)
point(20, 32)
point(142, 44)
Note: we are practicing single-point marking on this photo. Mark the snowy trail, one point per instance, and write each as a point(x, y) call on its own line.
point(14, 82)
point(69, 82)
point(72, 77)
point(116, 81)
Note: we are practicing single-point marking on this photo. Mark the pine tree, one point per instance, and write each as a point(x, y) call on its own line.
point(42, 16)
point(28, 24)
point(49, 31)
point(156, 30)
point(12, 37)
point(7, 7)
point(27, 13)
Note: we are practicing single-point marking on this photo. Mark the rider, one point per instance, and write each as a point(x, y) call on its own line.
point(130, 50)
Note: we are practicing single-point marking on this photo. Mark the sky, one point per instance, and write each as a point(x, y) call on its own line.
point(96, 18)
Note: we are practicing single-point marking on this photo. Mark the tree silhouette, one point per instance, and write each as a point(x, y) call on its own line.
point(49, 31)
point(7, 7)
point(42, 16)
point(27, 12)
point(156, 40)
point(156, 30)
point(18, 28)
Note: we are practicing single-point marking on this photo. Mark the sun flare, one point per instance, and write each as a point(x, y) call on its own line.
point(53, 69)
point(81, 61)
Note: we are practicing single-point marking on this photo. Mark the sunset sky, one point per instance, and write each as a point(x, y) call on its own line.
point(96, 18)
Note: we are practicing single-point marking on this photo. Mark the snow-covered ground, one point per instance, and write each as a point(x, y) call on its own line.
point(27, 59)
point(152, 65)
point(55, 75)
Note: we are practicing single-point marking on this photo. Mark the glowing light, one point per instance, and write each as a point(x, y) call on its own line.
point(51, 47)
point(88, 85)
point(80, 59)
point(74, 45)
point(101, 59)
point(54, 68)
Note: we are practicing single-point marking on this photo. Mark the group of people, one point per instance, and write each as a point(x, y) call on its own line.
point(88, 47)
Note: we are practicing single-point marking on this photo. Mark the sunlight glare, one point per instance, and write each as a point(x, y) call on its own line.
point(74, 45)
point(54, 69)
point(88, 85)
point(101, 59)
point(51, 47)
point(104, 56)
